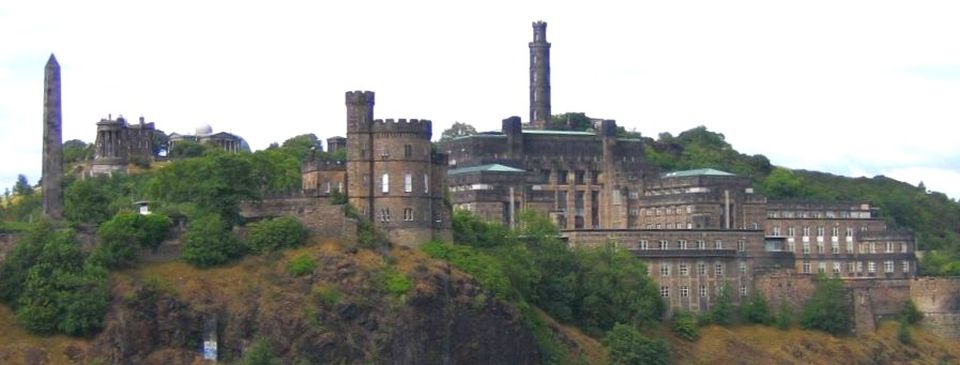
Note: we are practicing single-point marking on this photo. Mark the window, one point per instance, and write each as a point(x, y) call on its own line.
point(906, 266)
point(776, 230)
point(873, 247)
point(664, 269)
point(836, 267)
point(665, 291)
point(819, 246)
point(365, 179)
point(561, 177)
point(819, 231)
point(664, 245)
point(682, 244)
point(407, 151)
point(806, 247)
point(384, 215)
point(718, 244)
point(903, 247)
point(806, 267)
point(741, 246)
point(849, 232)
point(408, 183)
point(703, 290)
point(835, 231)
point(851, 267)
point(684, 291)
point(889, 247)
point(806, 231)
point(643, 244)
point(701, 245)
point(888, 266)
point(385, 183)
point(683, 269)
point(579, 177)
point(743, 290)
point(702, 269)
point(426, 184)
point(821, 267)
point(859, 267)
point(849, 246)
point(835, 248)
point(871, 267)
point(718, 270)
point(792, 231)
point(743, 267)
point(408, 214)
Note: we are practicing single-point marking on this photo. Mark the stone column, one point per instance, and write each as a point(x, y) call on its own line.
point(52, 180)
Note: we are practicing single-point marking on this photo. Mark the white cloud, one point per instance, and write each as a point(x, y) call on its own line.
point(816, 85)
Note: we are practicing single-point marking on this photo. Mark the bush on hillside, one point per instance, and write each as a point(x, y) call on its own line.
point(275, 234)
point(208, 241)
point(684, 325)
point(628, 347)
point(828, 309)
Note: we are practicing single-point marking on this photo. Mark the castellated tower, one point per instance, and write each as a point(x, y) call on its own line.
point(539, 77)
point(393, 176)
point(52, 180)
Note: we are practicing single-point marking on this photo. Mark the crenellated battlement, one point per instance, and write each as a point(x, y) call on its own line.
point(418, 126)
point(360, 97)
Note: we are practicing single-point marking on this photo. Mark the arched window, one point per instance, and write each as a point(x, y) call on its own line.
point(385, 183)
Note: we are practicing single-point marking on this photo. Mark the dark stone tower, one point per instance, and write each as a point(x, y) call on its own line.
point(360, 183)
point(52, 179)
point(539, 77)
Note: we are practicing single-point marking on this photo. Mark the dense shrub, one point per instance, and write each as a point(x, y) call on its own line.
point(274, 234)
point(302, 265)
point(684, 325)
point(122, 237)
point(754, 309)
point(910, 313)
point(828, 309)
point(628, 347)
point(721, 312)
point(52, 286)
point(395, 282)
point(486, 269)
point(260, 353)
point(208, 241)
point(784, 316)
point(903, 332)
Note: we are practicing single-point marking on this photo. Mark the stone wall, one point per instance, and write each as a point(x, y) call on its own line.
point(321, 218)
point(939, 300)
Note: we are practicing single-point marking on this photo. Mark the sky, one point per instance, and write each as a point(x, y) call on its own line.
point(857, 88)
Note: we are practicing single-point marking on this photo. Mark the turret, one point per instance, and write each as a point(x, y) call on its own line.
point(514, 132)
point(359, 110)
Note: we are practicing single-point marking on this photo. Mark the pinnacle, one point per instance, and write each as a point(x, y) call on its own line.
point(52, 61)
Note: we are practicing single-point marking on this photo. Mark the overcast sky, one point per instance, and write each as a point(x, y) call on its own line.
point(854, 88)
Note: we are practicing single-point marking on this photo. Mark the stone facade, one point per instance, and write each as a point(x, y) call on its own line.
point(52, 179)
point(204, 135)
point(393, 176)
point(118, 143)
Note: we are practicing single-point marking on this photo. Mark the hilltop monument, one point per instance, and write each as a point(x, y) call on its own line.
point(539, 77)
point(52, 179)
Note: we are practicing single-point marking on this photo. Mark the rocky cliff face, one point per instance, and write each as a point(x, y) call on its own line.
point(343, 312)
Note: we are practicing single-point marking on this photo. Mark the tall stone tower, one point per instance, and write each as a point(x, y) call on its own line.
point(539, 77)
point(360, 152)
point(52, 179)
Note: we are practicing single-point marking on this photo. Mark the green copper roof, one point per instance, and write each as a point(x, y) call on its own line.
point(484, 168)
point(698, 172)
point(558, 133)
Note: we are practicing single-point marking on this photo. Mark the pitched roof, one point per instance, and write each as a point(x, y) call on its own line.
point(698, 172)
point(485, 168)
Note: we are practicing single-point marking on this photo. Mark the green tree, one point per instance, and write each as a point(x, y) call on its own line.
point(301, 147)
point(208, 241)
point(571, 121)
point(22, 186)
point(784, 316)
point(910, 313)
point(614, 288)
point(186, 149)
point(88, 201)
point(275, 234)
point(782, 183)
point(214, 183)
point(721, 312)
point(457, 130)
point(122, 237)
point(754, 309)
point(76, 150)
point(628, 347)
point(828, 309)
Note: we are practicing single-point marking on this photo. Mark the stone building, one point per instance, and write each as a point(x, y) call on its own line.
point(118, 143)
point(204, 135)
point(391, 175)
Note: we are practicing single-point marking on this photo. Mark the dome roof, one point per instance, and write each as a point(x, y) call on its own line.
point(204, 130)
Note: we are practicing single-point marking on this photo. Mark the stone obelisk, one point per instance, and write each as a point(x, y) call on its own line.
point(52, 179)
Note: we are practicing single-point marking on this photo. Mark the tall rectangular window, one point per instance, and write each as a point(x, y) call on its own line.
point(407, 183)
point(703, 290)
point(906, 266)
point(718, 270)
point(385, 183)
point(871, 267)
point(664, 269)
point(407, 151)
point(408, 214)
point(643, 244)
point(718, 244)
point(701, 269)
point(426, 184)
point(741, 246)
point(806, 267)
point(561, 177)
point(682, 244)
point(665, 291)
point(684, 291)
point(701, 245)
point(836, 267)
point(888, 266)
